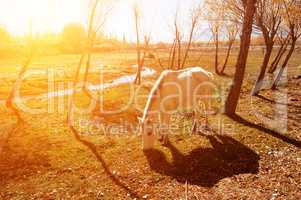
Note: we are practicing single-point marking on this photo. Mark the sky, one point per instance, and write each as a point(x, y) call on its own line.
point(51, 16)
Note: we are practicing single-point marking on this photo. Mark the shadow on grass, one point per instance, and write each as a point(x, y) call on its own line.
point(273, 133)
point(5, 140)
point(206, 166)
point(18, 126)
point(277, 102)
point(17, 159)
point(93, 149)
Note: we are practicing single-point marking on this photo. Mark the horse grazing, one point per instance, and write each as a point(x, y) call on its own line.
point(187, 89)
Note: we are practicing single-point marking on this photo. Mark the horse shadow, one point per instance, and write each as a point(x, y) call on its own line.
point(206, 166)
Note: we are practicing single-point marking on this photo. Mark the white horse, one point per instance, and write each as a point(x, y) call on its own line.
point(188, 89)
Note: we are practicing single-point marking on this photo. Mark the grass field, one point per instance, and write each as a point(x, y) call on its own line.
point(255, 156)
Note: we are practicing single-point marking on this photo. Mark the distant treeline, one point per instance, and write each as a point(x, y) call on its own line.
point(72, 40)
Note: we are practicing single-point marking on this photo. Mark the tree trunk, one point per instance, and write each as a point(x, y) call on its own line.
point(9, 101)
point(260, 78)
point(90, 42)
point(138, 78)
point(12, 95)
point(171, 55)
point(216, 53)
point(88, 65)
point(278, 57)
point(88, 52)
point(75, 82)
point(276, 61)
point(138, 75)
point(179, 53)
point(227, 57)
point(186, 52)
point(233, 96)
point(188, 45)
point(287, 58)
point(277, 79)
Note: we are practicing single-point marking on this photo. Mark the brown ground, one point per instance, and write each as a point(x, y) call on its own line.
point(253, 157)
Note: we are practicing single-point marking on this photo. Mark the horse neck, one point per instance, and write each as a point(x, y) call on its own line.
point(153, 103)
point(152, 109)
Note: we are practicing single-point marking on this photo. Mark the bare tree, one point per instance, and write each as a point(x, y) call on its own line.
point(98, 14)
point(143, 50)
point(90, 40)
point(178, 40)
point(232, 32)
point(175, 57)
point(138, 48)
point(233, 96)
point(74, 85)
point(195, 17)
point(283, 39)
point(215, 28)
point(29, 54)
point(215, 17)
point(176, 60)
point(268, 20)
point(179, 43)
point(171, 55)
point(142, 59)
point(157, 58)
point(233, 11)
point(293, 22)
point(12, 95)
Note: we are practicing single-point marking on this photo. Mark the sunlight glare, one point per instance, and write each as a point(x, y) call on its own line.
point(43, 15)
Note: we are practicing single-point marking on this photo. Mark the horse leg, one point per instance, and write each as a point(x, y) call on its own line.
point(201, 108)
point(165, 119)
point(195, 122)
point(207, 105)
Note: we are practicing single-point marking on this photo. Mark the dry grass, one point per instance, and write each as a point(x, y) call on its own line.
point(43, 159)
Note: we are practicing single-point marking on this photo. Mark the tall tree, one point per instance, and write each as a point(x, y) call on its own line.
point(30, 51)
point(215, 17)
point(233, 96)
point(215, 30)
point(176, 60)
point(98, 13)
point(232, 32)
point(268, 19)
point(179, 43)
point(143, 50)
point(292, 17)
point(195, 19)
point(138, 48)
point(234, 11)
point(171, 57)
point(175, 57)
point(283, 39)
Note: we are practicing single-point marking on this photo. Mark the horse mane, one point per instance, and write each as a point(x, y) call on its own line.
point(154, 92)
